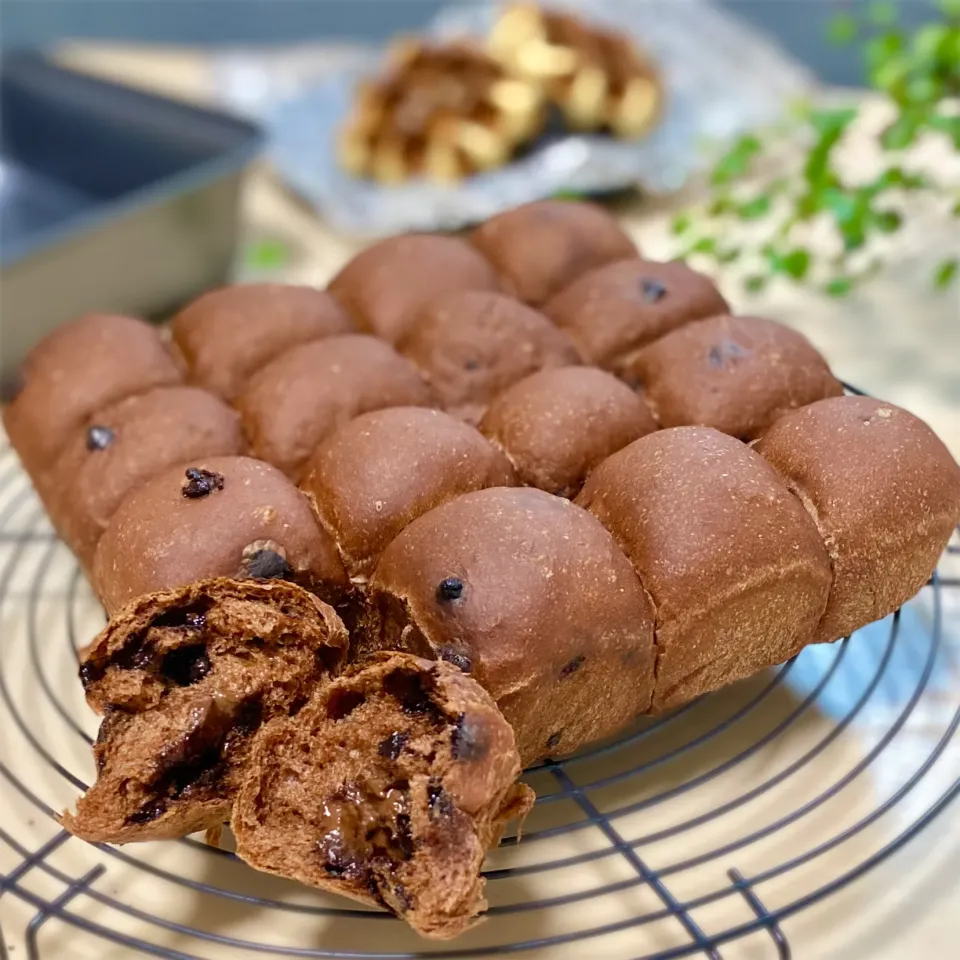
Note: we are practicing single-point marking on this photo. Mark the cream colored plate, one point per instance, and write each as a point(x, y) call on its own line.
point(797, 780)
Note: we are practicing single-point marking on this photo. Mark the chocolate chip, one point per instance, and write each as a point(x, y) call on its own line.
point(653, 290)
point(460, 660)
point(439, 804)
point(201, 483)
point(450, 589)
point(267, 565)
point(338, 861)
point(403, 898)
point(193, 617)
point(467, 741)
point(573, 666)
point(90, 672)
point(391, 747)
point(150, 811)
point(404, 835)
point(186, 665)
point(554, 739)
point(412, 693)
point(726, 352)
point(99, 438)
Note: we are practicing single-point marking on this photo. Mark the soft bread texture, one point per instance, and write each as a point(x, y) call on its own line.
point(530, 596)
point(389, 787)
point(540, 247)
point(77, 370)
point(557, 425)
point(613, 311)
point(183, 679)
point(216, 517)
point(386, 285)
point(384, 469)
point(471, 345)
point(126, 444)
point(298, 400)
point(884, 493)
point(226, 335)
point(735, 374)
point(736, 569)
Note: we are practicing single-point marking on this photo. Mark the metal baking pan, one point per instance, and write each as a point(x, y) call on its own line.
point(111, 199)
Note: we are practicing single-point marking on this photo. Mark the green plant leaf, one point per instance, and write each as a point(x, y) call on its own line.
point(946, 273)
point(736, 161)
point(720, 205)
point(880, 49)
point(901, 133)
point(755, 283)
point(706, 245)
point(838, 286)
point(887, 221)
point(681, 224)
point(267, 255)
point(956, 209)
point(842, 29)
point(950, 125)
point(754, 209)
point(950, 9)
point(833, 121)
point(882, 12)
point(796, 263)
point(729, 255)
point(841, 205)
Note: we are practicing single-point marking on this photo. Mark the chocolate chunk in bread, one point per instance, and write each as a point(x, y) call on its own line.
point(384, 286)
point(74, 372)
point(612, 312)
point(125, 445)
point(217, 517)
point(882, 489)
point(557, 425)
point(389, 787)
point(530, 595)
point(183, 679)
point(471, 345)
point(227, 335)
point(384, 469)
point(736, 569)
point(296, 402)
point(540, 247)
point(735, 374)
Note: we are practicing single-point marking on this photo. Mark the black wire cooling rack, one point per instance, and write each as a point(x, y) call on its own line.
point(683, 837)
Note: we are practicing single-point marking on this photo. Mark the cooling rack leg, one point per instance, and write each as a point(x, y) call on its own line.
point(41, 917)
point(756, 905)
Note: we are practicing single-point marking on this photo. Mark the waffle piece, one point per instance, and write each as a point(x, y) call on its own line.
point(442, 111)
point(76, 371)
point(882, 489)
point(735, 374)
point(529, 595)
point(227, 335)
point(183, 679)
point(218, 517)
point(557, 425)
point(539, 248)
point(386, 285)
point(471, 345)
point(389, 787)
point(736, 569)
point(612, 312)
point(599, 78)
point(126, 444)
point(384, 469)
point(296, 402)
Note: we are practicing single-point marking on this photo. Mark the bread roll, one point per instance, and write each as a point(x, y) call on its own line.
point(389, 787)
point(384, 469)
point(735, 567)
point(126, 444)
point(530, 595)
point(226, 335)
point(216, 517)
point(473, 344)
point(183, 679)
point(296, 402)
point(540, 247)
point(884, 493)
point(557, 425)
point(613, 311)
point(384, 286)
point(735, 374)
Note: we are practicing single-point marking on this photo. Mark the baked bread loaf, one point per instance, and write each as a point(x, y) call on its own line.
point(736, 569)
point(611, 312)
point(124, 446)
point(296, 402)
point(386, 285)
point(216, 517)
point(384, 469)
point(540, 247)
point(76, 371)
point(389, 787)
point(735, 374)
point(440, 110)
point(227, 335)
point(884, 493)
point(557, 425)
point(530, 596)
point(183, 679)
point(471, 345)
point(598, 77)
